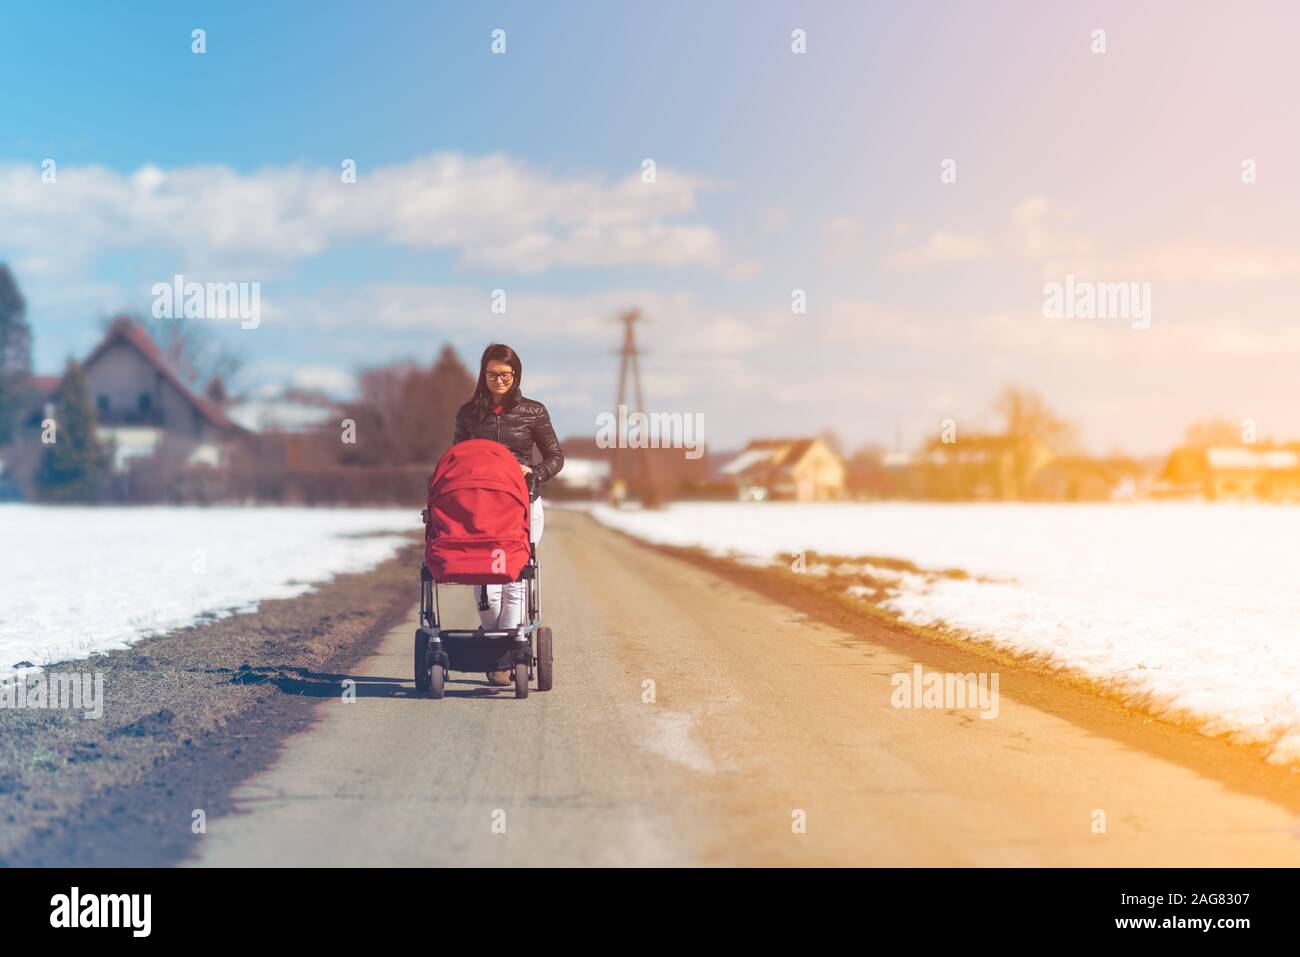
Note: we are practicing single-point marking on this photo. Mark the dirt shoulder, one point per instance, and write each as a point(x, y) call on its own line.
point(186, 717)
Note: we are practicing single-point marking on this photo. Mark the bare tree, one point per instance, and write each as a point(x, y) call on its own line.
point(1031, 429)
point(405, 414)
point(377, 411)
point(194, 351)
point(1025, 415)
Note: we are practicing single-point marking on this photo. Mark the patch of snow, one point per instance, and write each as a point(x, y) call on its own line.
point(670, 735)
point(74, 581)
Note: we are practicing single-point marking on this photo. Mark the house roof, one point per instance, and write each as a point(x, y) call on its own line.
point(1228, 457)
point(780, 453)
point(797, 450)
point(585, 447)
point(126, 330)
point(292, 410)
point(746, 459)
point(1192, 464)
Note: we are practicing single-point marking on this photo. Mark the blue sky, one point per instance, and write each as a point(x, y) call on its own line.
point(776, 171)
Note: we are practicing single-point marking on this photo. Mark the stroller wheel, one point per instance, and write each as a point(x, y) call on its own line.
point(545, 660)
point(521, 680)
point(421, 668)
point(436, 678)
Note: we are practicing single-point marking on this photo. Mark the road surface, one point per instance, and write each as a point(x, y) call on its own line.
point(770, 739)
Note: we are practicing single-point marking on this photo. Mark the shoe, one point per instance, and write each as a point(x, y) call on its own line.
point(500, 678)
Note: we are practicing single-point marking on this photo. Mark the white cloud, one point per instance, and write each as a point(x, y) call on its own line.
point(774, 218)
point(1038, 231)
point(843, 240)
point(1032, 230)
point(1203, 262)
point(491, 211)
point(942, 247)
point(744, 270)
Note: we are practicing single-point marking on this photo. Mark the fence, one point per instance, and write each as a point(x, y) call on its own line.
point(323, 485)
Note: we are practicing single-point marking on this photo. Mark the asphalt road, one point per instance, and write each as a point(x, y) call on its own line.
point(761, 719)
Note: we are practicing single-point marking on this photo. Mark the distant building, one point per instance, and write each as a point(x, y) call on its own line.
point(804, 470)
point(586, 471)
point(1231, 473)
point(1082, 478)
point(292, 427)
point(585, 475)
point(981, 467)
point(285, 410)
point(143, 406)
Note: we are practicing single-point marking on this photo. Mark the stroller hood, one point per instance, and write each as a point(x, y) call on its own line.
point(477, 532)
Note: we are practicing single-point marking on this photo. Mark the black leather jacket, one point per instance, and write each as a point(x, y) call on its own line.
point(524, 424)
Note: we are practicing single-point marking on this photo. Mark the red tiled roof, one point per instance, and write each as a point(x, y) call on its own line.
point(127, 330)
point(798, 449)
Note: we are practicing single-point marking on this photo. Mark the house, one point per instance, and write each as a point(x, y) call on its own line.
point(872, 473)
point(586, 473)
point(292, 427)
point(276, 409)
point(144, 407)
point(1231, 473)
point(805, 470)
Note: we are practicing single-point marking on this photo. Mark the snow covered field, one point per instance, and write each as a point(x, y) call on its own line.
point(1191, 611)
point(77, 580)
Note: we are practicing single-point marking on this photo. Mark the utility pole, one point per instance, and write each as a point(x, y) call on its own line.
point(628, 360)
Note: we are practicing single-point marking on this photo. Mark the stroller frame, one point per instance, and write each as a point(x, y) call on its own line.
point(524, 650)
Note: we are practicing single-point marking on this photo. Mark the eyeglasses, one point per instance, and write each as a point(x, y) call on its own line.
point(500, 376)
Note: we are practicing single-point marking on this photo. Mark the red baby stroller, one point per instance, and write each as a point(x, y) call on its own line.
point(476, 533)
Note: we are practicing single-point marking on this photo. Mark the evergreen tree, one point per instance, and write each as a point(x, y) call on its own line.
point(450, 386)
point(15, 355)
point(430, 398)
point(75, 465)
point(406, 414)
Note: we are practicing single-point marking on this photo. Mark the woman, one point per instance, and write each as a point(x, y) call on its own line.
point(498, 411)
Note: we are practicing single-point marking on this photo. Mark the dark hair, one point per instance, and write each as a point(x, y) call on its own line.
point(498, 352)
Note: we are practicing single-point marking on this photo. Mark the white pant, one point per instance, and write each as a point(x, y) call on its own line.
point(506, 602)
